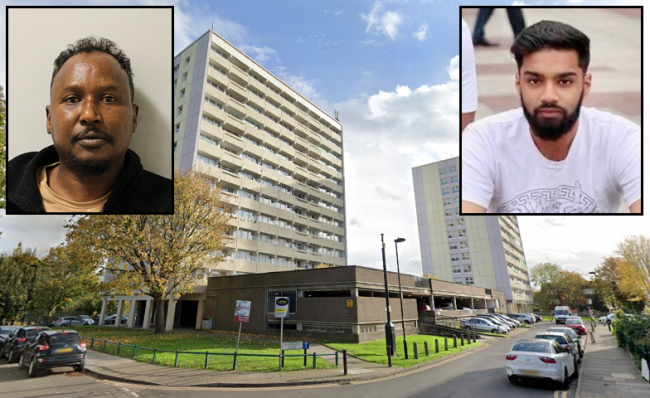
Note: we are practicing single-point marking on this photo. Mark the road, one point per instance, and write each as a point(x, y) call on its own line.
point(480, 373)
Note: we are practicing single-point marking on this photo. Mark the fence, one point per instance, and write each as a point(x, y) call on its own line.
point(102, 345)
point(638, 351)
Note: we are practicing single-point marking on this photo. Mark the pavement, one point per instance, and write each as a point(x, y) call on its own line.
point(608, 371)
point(106, 366)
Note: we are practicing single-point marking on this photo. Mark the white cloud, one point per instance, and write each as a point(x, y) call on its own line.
point(385, 135)
point(453, 69)
point(421, 33)
point(259, 53)
point(382, 24)
point(304, 86)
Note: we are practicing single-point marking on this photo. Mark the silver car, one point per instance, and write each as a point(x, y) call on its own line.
point(483, 325)
point(70, 321)
point(497, 320)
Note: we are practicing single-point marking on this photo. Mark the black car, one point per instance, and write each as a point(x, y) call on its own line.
point(54, 348)
point(19, 339)
point(5, 331)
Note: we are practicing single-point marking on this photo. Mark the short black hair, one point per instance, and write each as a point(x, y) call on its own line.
point(553, 35)
point(90, 44)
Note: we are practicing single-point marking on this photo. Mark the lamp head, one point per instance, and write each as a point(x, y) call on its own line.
point(399, 240)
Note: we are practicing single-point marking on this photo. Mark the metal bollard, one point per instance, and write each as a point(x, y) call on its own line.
point(345, 362)
point(119, 346)
point(283, 358)
point(446, 345)
point(314, 360)
point(415, 350)
point(455, 342)
point(176, 360)
point(437, 350)
point(426, 348)
point(593, 338)
point(135, 349)
point(475, 336)
point(234, 361)
point(154, 356)
point(462, 341)
point(207, 359)
point(92, 342)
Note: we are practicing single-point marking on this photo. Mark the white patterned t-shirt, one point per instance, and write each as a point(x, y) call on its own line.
point(504, 172)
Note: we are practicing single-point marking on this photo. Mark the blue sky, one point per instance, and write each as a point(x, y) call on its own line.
point(390, 68)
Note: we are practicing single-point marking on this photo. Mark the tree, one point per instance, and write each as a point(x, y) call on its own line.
point(63, 277)
point(15, 281)
point(572, 285)
point(3, 149)
point(546, 276)
point(636, 251)
point(158, 254)
point(608, 274)
point(629, 285)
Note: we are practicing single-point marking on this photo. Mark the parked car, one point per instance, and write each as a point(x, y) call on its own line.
point(110, 320)
point(446, 307)
point(603, 319)
point(539, 359)
point(423, 307)
point(510, 321)
point(72, 321)
point(564, 340)
point(483, 325)
point(571, 333)
point(577, 325)
point(527, 319)
point(538, 317)
point(19, 339)
point(88, 319)
point(497, 320)
point(54, 348)
point(5, 331)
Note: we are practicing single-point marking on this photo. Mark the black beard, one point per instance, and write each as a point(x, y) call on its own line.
point(549, 129)
point(87, 168)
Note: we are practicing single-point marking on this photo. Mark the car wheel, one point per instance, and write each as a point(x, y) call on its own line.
point(565, 381)
point(513, 379)
point(11, 358)
point(468, 328)
point(80, 368)
point(494, 331)
point(33, 368)
point(21, 362)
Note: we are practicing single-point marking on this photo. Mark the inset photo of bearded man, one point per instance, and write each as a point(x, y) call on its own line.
point(557, 127)
point(89, 110)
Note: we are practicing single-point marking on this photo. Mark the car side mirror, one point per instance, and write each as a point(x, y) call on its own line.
point(567, 349)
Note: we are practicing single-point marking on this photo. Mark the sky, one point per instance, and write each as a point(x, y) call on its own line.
point(390, 68)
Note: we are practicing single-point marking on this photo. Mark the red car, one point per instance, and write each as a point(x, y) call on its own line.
point(576, 325)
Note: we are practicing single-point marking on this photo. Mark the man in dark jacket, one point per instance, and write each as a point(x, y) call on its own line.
point(91, 118)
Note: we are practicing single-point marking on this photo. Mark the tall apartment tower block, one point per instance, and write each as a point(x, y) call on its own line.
point(277, 156)
point(484, 251)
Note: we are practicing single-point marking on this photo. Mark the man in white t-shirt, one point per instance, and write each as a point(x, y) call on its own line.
point(470, 98)
point(552, 155)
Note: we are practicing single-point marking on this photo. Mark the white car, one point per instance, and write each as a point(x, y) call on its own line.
point(603, 319)
point(539, 359)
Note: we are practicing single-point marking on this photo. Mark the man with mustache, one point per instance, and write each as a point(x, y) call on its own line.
point(91, 118)
point(551, 155)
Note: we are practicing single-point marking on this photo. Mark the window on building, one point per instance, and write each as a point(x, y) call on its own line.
point(177, 128)
point(182, 93)
point(187, 60)
point(469, 280)
point(455, 269)
point(180, 110)
point(175, 144)
point(467, 268)
point(465, 256)
point(184, 76)
point(453, 247)
point(176, 68)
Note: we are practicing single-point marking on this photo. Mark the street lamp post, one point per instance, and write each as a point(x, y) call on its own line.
point(401, 304)
point(29, 294)
point(390, 336)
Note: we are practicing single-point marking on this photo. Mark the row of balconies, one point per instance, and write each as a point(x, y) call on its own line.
point(285, 233)
point(300, 144)
point(272, 193)
point(292, 167)
point(300, 116)
point(270, 248)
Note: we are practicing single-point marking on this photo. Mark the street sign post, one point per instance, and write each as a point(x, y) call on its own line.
point(242, 314)
point(281, 311)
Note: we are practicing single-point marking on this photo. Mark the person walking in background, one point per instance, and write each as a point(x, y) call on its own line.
point(515, 15)
point(469, 95)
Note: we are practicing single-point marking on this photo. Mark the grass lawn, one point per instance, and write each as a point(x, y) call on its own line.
point(375, 351)
point(199, 344)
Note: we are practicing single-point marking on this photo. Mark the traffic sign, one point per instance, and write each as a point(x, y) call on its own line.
point(296, 345)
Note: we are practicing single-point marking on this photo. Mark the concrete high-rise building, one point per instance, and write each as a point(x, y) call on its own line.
point(484, 251)
point(278, 157)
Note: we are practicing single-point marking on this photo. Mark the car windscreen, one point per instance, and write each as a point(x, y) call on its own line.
point(561, 312)
point(532, 347)
point(573, 322)
point(60, 339)
point(34, 332)
point(6, 332)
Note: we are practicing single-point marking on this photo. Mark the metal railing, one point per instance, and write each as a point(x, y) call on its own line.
point(637, 350)
point(102, 344)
